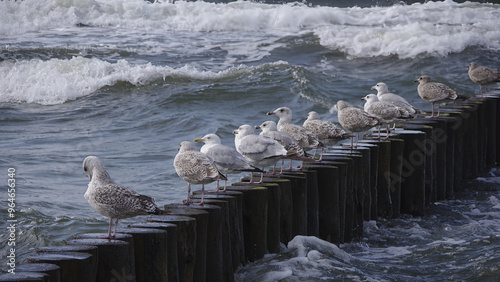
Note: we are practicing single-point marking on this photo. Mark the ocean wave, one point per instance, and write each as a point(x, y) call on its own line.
point(408, 31)
point(56, 81)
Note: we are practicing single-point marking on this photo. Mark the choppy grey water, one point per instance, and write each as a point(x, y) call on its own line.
point(129, 80)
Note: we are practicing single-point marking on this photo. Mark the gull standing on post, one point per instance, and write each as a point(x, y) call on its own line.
point(354, 119)
point(307, 140)
point(113, 200)
point(327, 132)
point(226, 158)
point(195, 168)
point(384, 95)
point(270, 130)
point(260, 151)
point(434, 92)
point(386, 112)
point(483, 76)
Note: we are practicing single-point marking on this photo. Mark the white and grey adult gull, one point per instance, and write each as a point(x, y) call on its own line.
point(260, 151)
point(194, 167)
point(355, 120)
point(384, 95)
point(270, 130)
point(386, 112)
point(434, 92)
point(114, 200)
point(226, 158)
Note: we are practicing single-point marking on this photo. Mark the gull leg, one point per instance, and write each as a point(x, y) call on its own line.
point(116, 226)
point(387, 137)
point(189, 191)
point(202, 195)
point(432, 112)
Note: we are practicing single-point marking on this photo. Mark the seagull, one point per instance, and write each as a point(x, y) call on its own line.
point(226, 158)
point(355, 120)
point(260, 151)
point(307, 140)
point(384, 95)
point(327, 132)
point(113, 200)
point(483, 76)
point(434, 92)
point(386, 112)
point(270, 130)
point(194, 167)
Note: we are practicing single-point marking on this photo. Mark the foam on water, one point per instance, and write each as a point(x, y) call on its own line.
point(56, 81)
point(433, 28)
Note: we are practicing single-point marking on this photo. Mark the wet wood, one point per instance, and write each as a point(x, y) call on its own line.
point(150, 249)
point(186, 242)
point(52, 271)
point(254, 219)
point(171, 229)
point(75, 266)
point(201, 218)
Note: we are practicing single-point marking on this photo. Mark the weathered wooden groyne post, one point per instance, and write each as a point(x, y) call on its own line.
point(423, 161)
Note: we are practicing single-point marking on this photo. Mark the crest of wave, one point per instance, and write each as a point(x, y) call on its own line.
point(56, 81)
point(433, 28)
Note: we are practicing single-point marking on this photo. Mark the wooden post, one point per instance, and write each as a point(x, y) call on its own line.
point(254, 210)
point(225, 251)
point(201, 217)
point(186, 242)
point(234, 233)
point(298, 184)
point(150, 249)
point(328, 191)
point(397, 148)
point(342, 197)
point(70, 248)
point(312, 203)
point(116, 260)
point(491, 127)
point(53, 271)
point(371, 206)
point(74, 266)
point(171, 229)
point(413, 173)
point(429, 149)
point(25, 276)
point(353, 217)
point(384, 201)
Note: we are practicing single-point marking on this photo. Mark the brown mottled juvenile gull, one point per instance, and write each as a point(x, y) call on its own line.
point(113, 200)
point(326, 131)
point(354, 119)
point(195, 168)
point(270, 130)
point(226, 158)
point(434, 92)
point(260, 151)
point(384, 95)
point(386, 112)
point(307, 140)
point(483, 76)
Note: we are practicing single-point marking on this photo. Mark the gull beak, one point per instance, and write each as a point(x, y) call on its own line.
point(235, 131)
point(270, 113)
point(257, 127)
point(364, 98)
point(198, 140)
point(373, 88)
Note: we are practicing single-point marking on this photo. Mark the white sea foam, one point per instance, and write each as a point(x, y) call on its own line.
point(56, 81)
point(432, 28)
